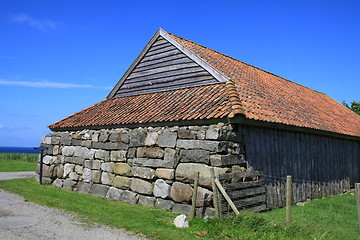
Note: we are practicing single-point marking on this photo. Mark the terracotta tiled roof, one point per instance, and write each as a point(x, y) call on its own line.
point(205, 102)
point(270, 98)
point(252, 92)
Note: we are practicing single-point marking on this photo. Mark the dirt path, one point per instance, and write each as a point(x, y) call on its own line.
point(21, 220)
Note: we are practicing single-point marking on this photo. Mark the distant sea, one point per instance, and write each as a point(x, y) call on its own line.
point(18, 150)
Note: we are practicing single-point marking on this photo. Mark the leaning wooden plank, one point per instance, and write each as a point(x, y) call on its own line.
point(241, 185)
point(223, 192)
point(160, 50)
point(247, 192)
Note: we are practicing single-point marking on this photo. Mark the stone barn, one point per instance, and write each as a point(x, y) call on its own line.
point(183, 108)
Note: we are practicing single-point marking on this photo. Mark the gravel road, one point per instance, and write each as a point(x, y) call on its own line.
point(21, 220)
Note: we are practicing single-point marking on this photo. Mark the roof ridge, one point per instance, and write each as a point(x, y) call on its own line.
point(236, 105)
point(243, 63)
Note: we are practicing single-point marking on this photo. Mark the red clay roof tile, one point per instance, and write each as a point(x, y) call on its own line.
point(252, 92)
point(270, 98)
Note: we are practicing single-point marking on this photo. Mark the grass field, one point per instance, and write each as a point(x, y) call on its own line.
point(17, 162)
point(333, 217)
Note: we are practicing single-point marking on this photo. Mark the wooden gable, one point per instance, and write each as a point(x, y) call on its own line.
point(164, 65)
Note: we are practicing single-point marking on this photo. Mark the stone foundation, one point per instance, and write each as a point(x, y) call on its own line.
point(150, 166)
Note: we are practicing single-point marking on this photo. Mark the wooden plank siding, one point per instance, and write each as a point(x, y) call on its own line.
point(163, 68)
point(305, 156)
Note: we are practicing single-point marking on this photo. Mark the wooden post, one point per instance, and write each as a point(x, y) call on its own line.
point(194, 197)
point(228, 199)
point(357, 190)
point(288, 199)
point(215, 194)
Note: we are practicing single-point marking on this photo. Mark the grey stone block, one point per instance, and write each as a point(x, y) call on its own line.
point(195, 155)
point(130, 197)
point(122, 182)
point(114, 193)
point(156, 163)
point(65, 140)
point(98, 145)
point(165, 173)
point(181, 208)
point(76, 142)
point(161, 189)
point(75, 160)
point(151, 138)
point(164, 204)
point(84, 187)
point(167, 140)
point(84, 152)
point(115, 146)
point(99, 190)
point(181, 192)
point(137, 138)
point(86, 143)
point(225, 160)
point(95, 176)
point(143, 172)
point(103, 137)
point(146, 201)
point(141, 186)
point(69, 184)
point(58, 183)
point(198, 144)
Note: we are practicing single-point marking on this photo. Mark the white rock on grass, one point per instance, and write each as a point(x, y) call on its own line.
point(181, 221)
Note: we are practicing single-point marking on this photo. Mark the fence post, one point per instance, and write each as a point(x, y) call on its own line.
point(288, 198)
point(357, 190)
point(194, 198)
point(215, 194)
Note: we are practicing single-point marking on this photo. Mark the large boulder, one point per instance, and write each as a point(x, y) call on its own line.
point(181, 192)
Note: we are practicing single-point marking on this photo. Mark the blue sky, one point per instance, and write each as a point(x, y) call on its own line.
point(58, 57)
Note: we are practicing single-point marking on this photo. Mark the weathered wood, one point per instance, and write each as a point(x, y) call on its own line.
point(171, 76)
point(162, 70)
point(159, 41)
point(215, 193)
point(228, 199)
point(159, 45)
point(357, 190)
point(142, 65)
point(194, 197)
point(155, 84)
point(246, 192)
point(167, 88)
point(162, 55)
point(164, 64)
point(251, 201)
point(288, 199)
point(241, 185)
point(160, 50)
point(229, 176)
point(304, 155)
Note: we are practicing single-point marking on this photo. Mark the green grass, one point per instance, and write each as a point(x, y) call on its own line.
point(329, 218)
point(17, 162)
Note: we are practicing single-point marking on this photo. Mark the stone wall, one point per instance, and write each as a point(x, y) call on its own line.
point(149, 166)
